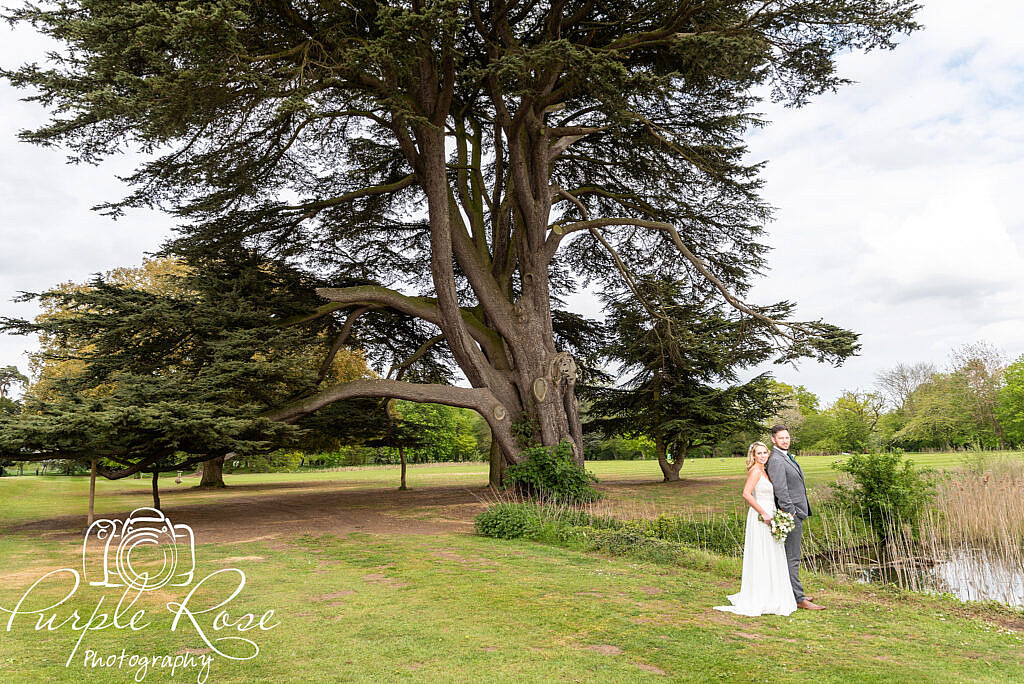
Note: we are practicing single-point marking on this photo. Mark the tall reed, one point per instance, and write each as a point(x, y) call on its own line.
point(969, 542)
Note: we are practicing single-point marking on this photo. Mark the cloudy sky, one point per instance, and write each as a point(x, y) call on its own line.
point(897, 207)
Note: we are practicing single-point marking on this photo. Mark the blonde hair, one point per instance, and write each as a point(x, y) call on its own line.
point(750, 453)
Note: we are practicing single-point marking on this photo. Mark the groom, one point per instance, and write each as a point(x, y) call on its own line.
point(791, 496)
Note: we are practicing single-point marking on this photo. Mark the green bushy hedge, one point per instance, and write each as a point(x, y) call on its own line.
point(722, 534)
point(551, 474)
point(507, 521)
point(664, 539)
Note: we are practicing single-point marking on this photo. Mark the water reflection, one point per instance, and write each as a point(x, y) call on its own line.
point(969, 575)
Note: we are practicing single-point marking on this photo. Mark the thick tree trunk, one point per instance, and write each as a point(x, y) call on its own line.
point(213, 473)
point(546, 381)
point(401, 455)
point(670, 469)
point(156, 490)
point(522, 385)
point(496, 477)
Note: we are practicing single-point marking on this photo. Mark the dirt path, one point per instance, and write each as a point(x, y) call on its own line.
point(265, 514)
point(275, 511)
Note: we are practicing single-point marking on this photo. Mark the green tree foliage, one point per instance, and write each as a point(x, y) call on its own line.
point(799, 411)
point(675, 364)
point(852, 421)
point(801, 398)
point(435, 432)
point(598, 448)
point(917, 407)
point(958, 408)
point(1010, 408)
point(10, 376)
point(164, 379)
point(457, 162)
point(887, 491)
point(56, 359)
point(938, 419)
point(978, 373)
point(551, 474)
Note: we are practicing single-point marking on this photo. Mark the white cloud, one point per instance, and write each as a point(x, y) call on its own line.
point(48, 235)
point(898, 212)
point(956, 246)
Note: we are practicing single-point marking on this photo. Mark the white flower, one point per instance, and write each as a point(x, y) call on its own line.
point(782, 524)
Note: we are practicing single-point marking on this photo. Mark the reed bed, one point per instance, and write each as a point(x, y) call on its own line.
point(969, 542)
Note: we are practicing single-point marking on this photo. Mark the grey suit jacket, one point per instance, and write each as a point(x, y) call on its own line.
point(788, 480)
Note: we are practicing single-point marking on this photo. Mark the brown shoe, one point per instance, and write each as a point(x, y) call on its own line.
point(807, 605)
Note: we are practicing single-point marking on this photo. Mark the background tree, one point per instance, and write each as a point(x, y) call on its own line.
point(797, 406)
point(9, 377)
point(458, 161)
point(1010, 409)
point(978, 373)
point(54, 360)
point(939, 420)
point(853, 419)
point(675, 364)
point(164, 381)
point(898, 383)
point(62, 360)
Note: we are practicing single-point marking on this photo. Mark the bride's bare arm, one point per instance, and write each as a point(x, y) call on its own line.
point(748, 494)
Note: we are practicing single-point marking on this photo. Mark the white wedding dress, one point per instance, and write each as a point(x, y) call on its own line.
point(765, 587)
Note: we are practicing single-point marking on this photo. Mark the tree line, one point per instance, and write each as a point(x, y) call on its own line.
point(975, 402)
point(162, 366)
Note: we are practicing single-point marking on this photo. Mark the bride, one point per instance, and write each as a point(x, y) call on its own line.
point(765, 587)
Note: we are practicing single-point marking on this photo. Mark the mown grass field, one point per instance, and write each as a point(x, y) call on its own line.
point(452, 606)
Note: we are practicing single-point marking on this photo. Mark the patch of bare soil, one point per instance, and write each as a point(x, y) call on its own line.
point(385, 580)
point(267, 513)
point(278, 512)
point(335, 595)
point(604, 649)
point(651, 668)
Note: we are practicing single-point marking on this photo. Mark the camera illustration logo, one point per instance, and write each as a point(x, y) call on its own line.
point(144, 529)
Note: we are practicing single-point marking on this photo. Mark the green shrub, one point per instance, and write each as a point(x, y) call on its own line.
point(722, 534)
point(664, 540)
point(508, 521)
point(624, 541)
point(887, 491)
point(551, 474)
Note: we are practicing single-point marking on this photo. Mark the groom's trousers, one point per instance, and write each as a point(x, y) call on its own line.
point(793, 558)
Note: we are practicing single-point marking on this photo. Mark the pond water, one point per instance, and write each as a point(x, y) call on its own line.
point(969, 575)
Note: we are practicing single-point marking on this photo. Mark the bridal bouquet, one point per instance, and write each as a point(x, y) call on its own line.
point(782, 525)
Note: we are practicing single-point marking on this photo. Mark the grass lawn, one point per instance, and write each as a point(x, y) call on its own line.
point(391, 606)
